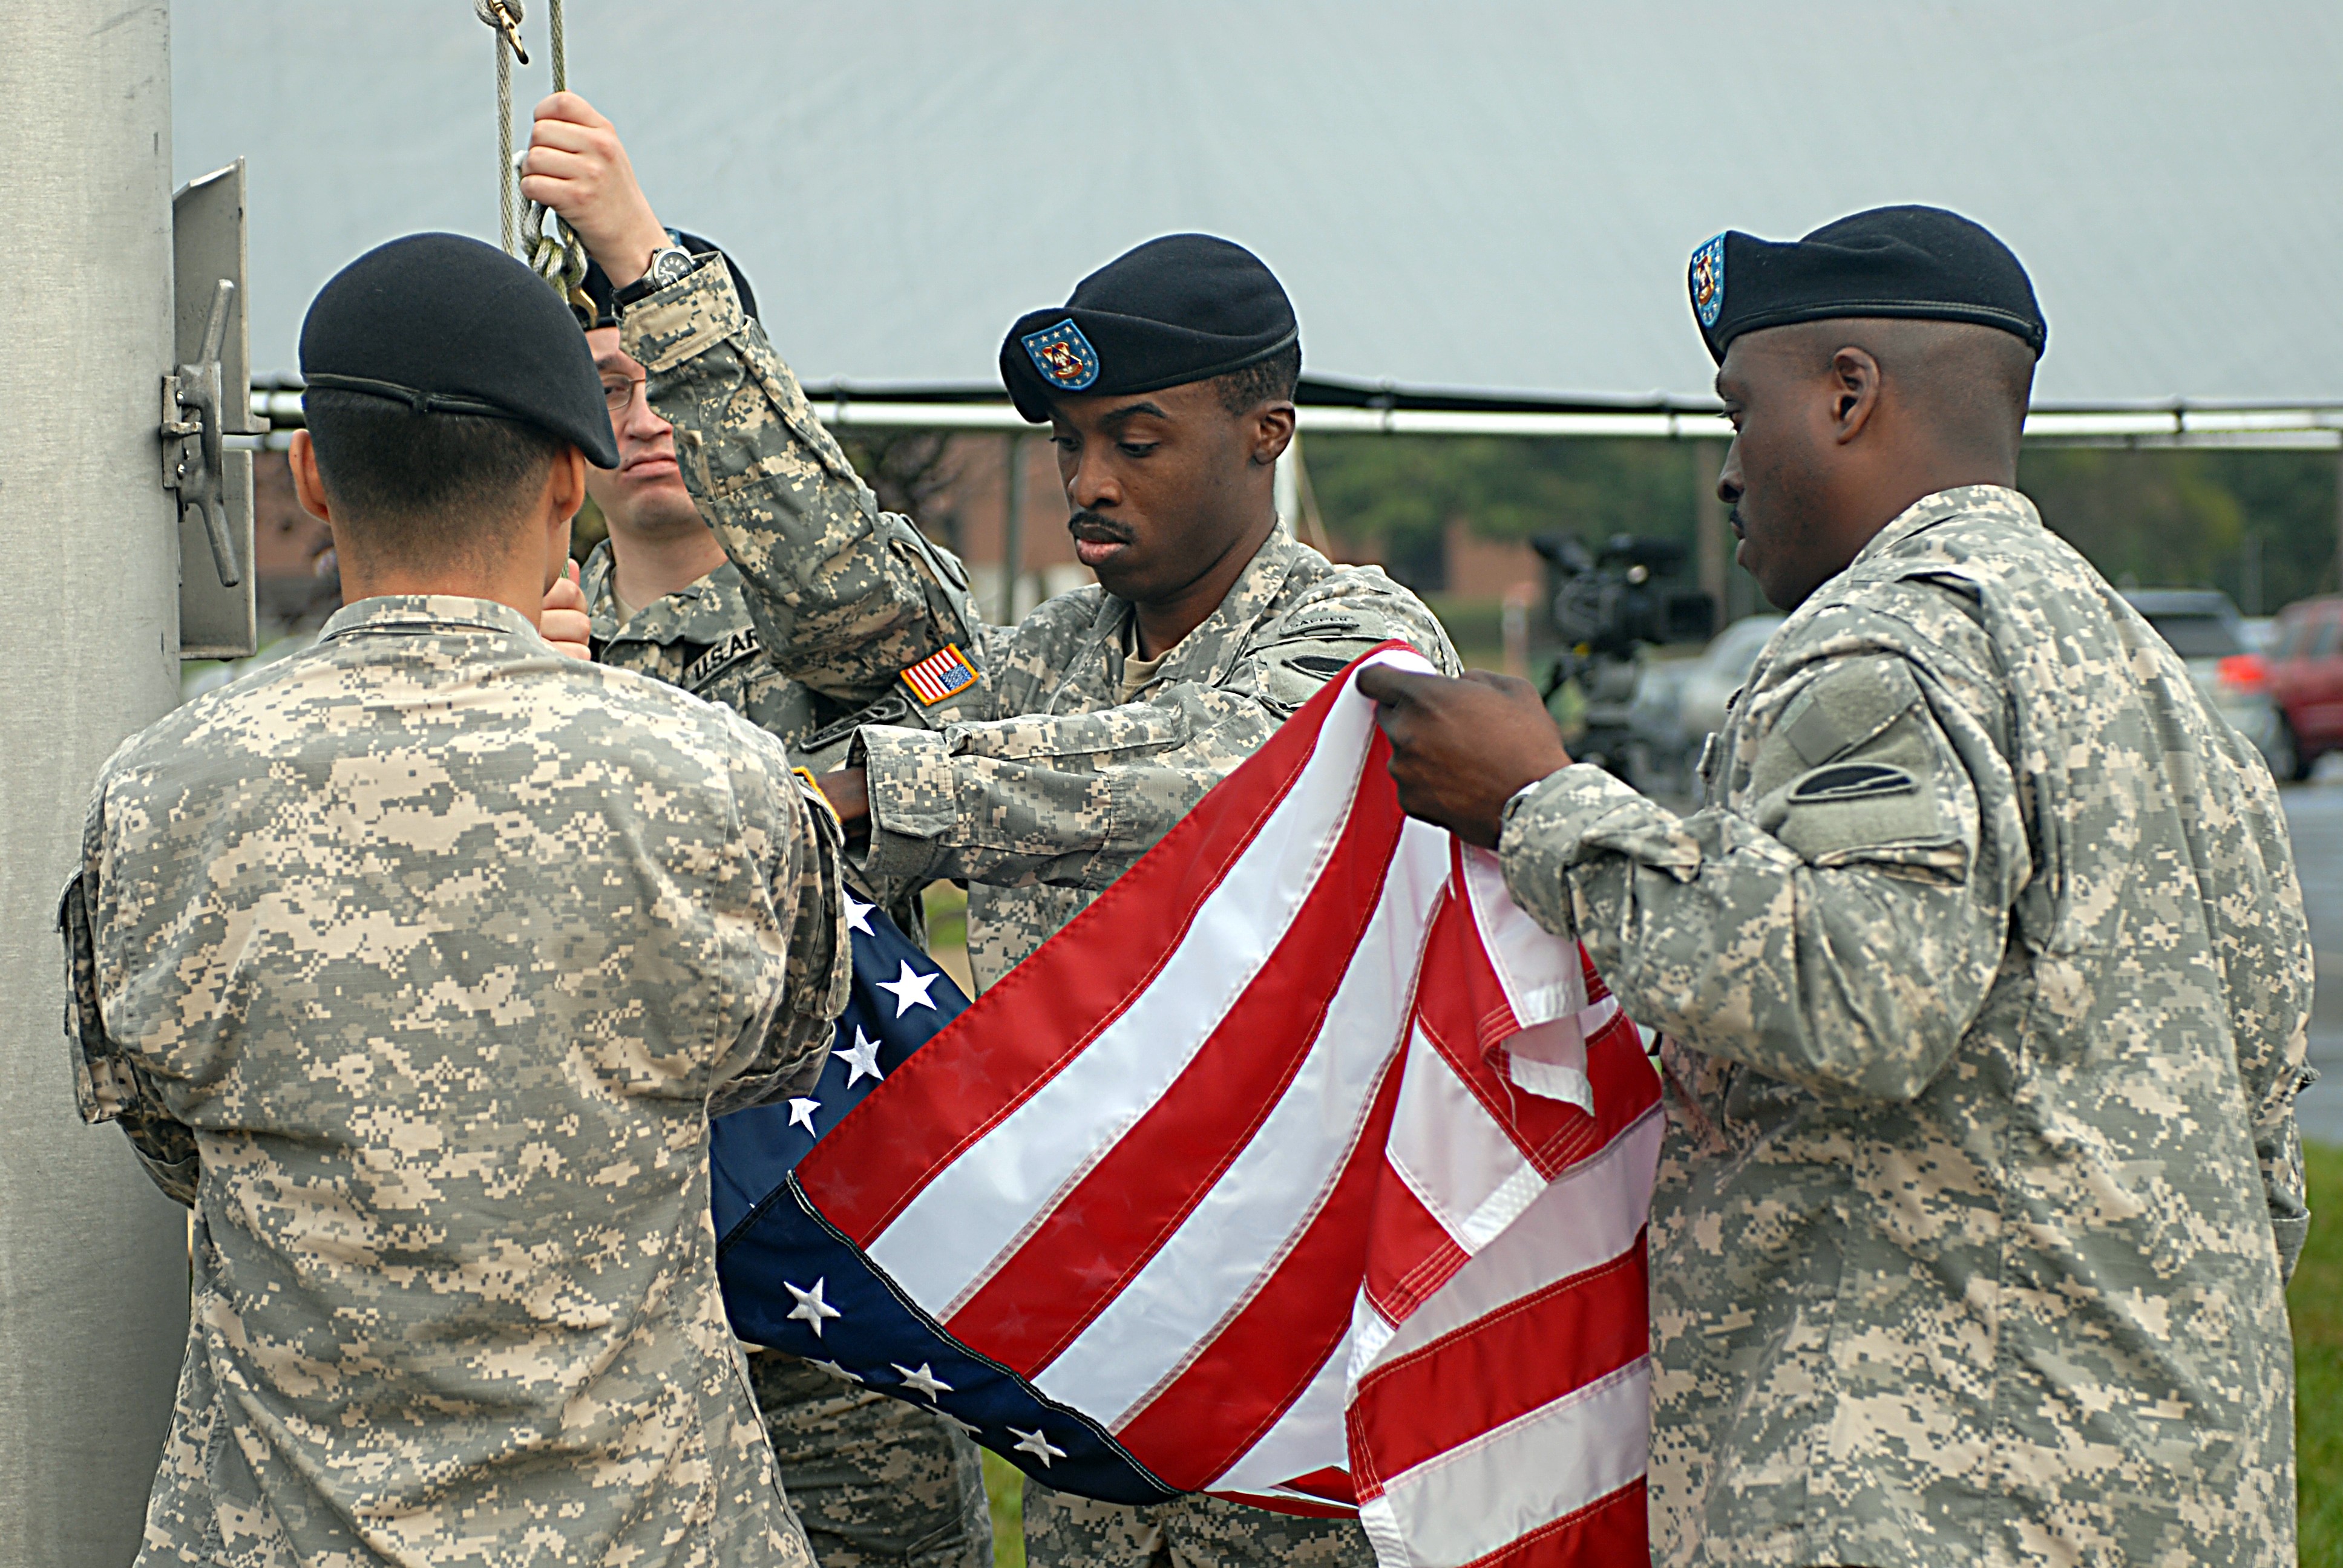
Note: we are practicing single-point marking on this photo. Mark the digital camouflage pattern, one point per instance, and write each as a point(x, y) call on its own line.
point(1193, 1532)
point(1986, 982)
point(416, 962)
point(872, 1479)
point(700, 639)
point(1039, 785)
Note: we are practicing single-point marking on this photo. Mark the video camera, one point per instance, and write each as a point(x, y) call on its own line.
point(1606, 602)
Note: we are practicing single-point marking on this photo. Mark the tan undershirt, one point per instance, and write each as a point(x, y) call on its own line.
point(1139, 674)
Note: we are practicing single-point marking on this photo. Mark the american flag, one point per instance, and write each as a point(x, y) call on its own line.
point(1302, 1167)
point(943, 673)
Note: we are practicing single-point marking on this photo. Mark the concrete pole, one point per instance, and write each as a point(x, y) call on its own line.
point(93, 1260)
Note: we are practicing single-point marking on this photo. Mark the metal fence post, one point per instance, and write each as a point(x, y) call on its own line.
point(1013, 532)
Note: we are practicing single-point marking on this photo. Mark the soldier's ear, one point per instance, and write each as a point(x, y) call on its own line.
point(1854, 392)
point(308, 485)
point(1273, 432)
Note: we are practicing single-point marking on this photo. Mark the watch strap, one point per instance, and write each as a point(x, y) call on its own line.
point(650, 282)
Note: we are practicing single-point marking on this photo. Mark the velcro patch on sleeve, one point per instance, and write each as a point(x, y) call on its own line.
point(1852, 781)
point(1851, 701)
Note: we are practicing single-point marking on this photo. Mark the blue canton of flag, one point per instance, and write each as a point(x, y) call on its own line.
point(899, 1002)
point(792, 1282)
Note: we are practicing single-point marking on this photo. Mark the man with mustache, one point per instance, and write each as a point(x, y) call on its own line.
point(1983, 973)
point(1087, 730)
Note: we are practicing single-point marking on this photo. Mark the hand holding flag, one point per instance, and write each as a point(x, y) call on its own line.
point(1301, 1168)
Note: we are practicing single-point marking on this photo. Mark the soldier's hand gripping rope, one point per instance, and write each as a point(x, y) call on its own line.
point(547, 244)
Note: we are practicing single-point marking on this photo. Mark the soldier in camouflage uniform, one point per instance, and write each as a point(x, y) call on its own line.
point(416, 964)
point(692, 628)
point(873, 1480)
point(1038, 761)
point(1983, 972)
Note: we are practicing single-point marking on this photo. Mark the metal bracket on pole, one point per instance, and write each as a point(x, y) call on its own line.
point(194, 458)
point(207, 399)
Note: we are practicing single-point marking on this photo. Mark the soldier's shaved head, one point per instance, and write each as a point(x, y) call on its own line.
point(1967, 385)
point(1842, 423)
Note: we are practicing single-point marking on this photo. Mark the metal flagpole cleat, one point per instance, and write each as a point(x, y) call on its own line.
point(206, 404)
point(197, 464)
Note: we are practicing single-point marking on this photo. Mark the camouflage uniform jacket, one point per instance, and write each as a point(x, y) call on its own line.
point(700, 637)
point(702, 640)
point(1038, 785)
point(1986, 982)
point(416, 963)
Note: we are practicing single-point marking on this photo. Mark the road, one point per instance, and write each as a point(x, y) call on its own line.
point(2314, 811)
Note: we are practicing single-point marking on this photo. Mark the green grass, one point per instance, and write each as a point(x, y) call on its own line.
point(946, 908)
point(2315, 1299)
point(1004, 1491)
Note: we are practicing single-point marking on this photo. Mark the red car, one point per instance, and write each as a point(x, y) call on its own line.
point(2305, 678)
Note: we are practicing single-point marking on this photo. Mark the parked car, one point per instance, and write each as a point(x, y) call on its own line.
point(2306, 679)
point(2213, 640)
point(1718, 673)
point(1679, 700)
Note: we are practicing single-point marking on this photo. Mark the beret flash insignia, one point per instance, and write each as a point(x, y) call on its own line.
point(1063, 356)
point(1708, 281)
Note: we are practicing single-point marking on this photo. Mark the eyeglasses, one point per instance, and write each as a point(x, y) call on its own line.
point(620, 395)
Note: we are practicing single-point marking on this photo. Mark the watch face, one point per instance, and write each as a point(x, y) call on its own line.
point(670, 265)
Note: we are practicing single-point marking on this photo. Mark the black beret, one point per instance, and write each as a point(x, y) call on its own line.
point(1184, 307)
point(602, 292)
point(447, 325)
point(1909, 261)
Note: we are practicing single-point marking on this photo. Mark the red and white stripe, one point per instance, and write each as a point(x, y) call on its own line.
point(1305, 1163)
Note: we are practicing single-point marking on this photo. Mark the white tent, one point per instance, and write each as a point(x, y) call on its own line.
point(1477, 196)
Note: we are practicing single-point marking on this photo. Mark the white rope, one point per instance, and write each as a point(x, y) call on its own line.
point(554, 253)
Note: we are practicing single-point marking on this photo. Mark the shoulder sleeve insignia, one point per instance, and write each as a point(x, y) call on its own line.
point(946, 673)
point(1852, 781)
point(1063, 356)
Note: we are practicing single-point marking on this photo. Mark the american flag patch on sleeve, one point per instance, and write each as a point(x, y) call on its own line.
point(943, 673)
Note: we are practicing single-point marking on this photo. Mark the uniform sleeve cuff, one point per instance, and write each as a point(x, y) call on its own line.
point(1552, 826)
point(914, 800)
point(690, 316)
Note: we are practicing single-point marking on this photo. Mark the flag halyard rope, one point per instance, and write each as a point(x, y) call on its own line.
point(546, 242)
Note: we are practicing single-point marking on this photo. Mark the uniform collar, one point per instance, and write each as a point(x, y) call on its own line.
point(1929, 511)
point(1207, 654)
point(707, 611)
point(419, 612)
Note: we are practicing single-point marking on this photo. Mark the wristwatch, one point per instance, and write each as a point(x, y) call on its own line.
point(668, 263)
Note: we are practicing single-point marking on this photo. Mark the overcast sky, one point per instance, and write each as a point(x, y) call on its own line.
point(1494, 196)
